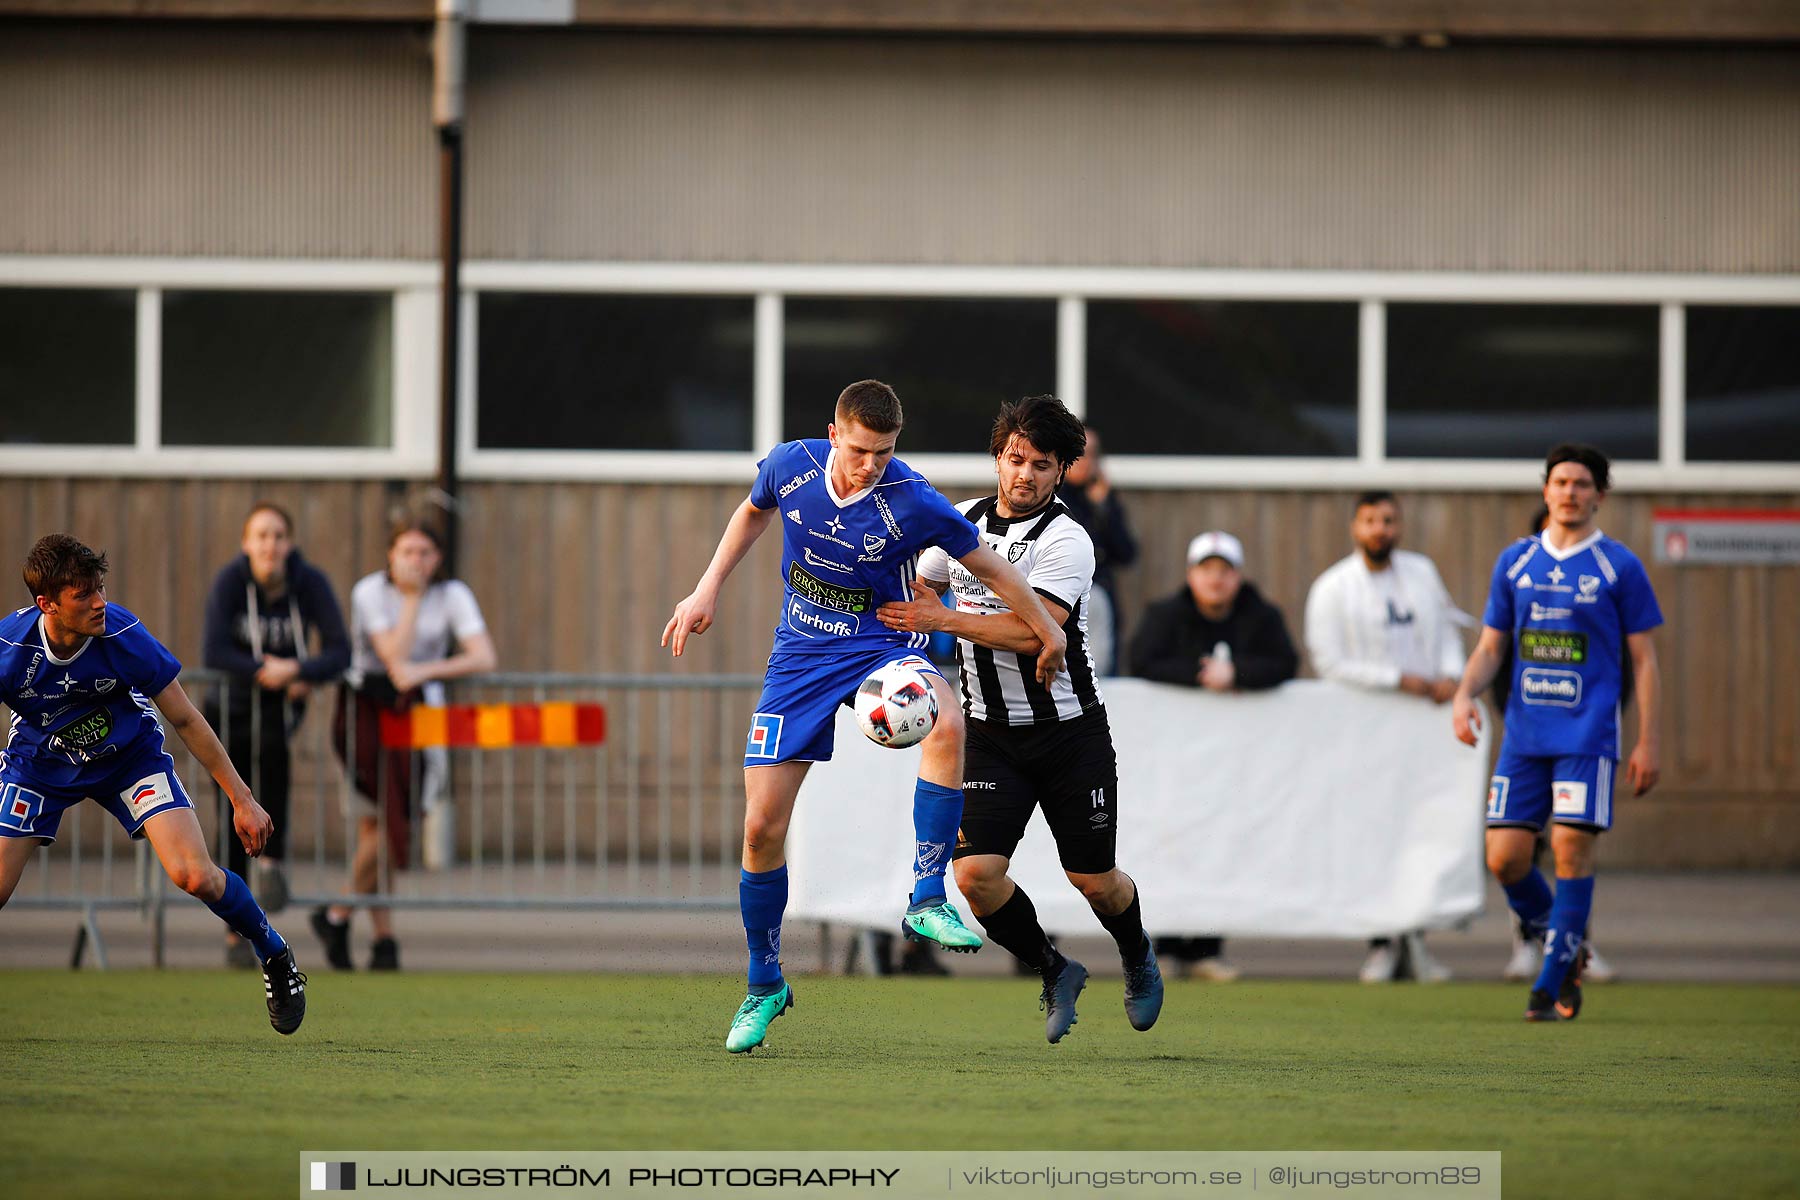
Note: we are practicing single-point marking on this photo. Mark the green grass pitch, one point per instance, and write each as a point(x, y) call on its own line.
point(172, 1084)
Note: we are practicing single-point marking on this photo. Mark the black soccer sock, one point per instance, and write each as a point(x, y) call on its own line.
point(1014, 925)
point(1127, 929)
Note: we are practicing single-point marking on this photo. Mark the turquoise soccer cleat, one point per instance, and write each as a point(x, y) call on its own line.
point(751, 1025)
point(942, 926)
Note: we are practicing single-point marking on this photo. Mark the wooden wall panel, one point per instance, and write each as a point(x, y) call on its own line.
point(582, 577)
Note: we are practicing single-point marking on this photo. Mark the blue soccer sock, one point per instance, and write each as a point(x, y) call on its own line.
point(762, 897)
point(937, 811)
point(1568, 929)
point(1530, 899)
point(239, 910)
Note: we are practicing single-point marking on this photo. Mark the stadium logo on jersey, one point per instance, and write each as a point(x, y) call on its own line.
point(1558, 689)
point(31, 669)
point(814, 560)
point(794, 515)
point(765, 736)
point(1590, 589)
point(148, 794)
point(887, 516)
point(1016, 551)
point(19, 806)
point(796, 482)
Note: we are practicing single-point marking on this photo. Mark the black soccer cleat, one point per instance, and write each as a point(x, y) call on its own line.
point(1058, 999)
point(1568, 996)
point(1541, 1007)
point(285, 988)
point(384, 955)
point(336, 938)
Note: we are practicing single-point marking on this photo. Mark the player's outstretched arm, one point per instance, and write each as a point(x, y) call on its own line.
point(997, 631)
point(1483, 665)
point(252, 823)
point(1008, 584)
point(1644, 767)
point(695, 613)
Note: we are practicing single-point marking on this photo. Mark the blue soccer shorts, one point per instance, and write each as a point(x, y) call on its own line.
point(796, 715)
point(138, 789)
point(1529, 791)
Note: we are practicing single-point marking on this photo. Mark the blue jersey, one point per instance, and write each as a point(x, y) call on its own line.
point(1568, 613)
point(842, 558)
point(77, 720)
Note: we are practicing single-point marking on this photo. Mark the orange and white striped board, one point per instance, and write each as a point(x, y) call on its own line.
point(494, 726)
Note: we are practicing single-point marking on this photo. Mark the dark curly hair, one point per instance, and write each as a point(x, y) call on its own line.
point(1046, 423)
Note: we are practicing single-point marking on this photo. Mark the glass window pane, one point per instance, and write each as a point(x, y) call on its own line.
point(584, 372)
point(1743, 384)
point(951, 361)
point(1222, 377)
point(1512, 380)
point(277, 369)
point(68, 366)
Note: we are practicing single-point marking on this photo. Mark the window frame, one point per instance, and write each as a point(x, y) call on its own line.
point(415, 403)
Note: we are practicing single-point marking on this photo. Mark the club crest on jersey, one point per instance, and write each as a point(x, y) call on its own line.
point(1016, 551)
point(1590, 589)
point(103, 686)
point(873, 544)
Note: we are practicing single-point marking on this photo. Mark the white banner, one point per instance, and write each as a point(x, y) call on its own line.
point(1315, 810)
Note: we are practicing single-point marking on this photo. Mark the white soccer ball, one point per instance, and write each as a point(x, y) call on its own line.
point(896, 705)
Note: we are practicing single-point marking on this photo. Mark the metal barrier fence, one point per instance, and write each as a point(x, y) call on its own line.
point(650, 818)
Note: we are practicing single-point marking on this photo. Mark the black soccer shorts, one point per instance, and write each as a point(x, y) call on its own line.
point(1067, 768)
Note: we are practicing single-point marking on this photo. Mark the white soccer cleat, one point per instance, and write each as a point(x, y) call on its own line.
point(1598, 969)
point(1425, 968)
point(1527, 958)
point(1380, 966)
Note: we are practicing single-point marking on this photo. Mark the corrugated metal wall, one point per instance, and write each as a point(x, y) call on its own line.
point(584, 145)
point(582, 577)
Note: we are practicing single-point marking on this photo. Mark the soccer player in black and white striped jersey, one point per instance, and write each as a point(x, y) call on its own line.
point(1031, 745)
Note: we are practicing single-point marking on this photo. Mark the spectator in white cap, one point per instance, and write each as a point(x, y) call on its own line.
point(1217, 633)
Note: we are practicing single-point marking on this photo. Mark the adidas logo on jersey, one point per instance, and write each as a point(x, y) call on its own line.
point(794, 515)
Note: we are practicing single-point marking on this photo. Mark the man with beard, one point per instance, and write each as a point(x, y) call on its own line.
point(1382, 619)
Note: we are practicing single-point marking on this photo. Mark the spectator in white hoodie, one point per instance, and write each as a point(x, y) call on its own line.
point(1382, 619)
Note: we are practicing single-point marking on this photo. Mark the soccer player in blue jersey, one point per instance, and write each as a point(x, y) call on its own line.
point(81, 677)
point(854, 519)
point(1567, 600)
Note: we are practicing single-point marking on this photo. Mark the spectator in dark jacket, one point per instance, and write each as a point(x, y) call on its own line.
point(1217, 632)
point(1220, 634)
point(1090, 499)
point(266, 606)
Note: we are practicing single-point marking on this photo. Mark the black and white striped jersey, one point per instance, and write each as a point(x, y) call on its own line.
point(1056, 556)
